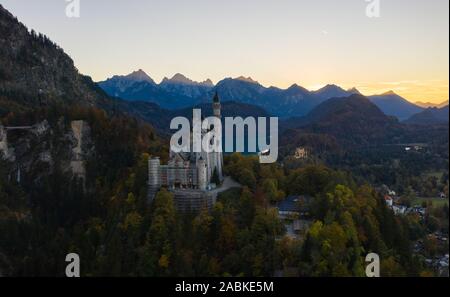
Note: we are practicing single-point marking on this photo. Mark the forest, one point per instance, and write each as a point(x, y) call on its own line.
point(117, 232)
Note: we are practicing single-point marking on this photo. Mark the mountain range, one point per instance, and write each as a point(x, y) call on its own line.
point(394, 105)
point(430, 116)
point(349, 121)
point(430, 104)
point(160, 118)
point(295, 101)
point(36, 72)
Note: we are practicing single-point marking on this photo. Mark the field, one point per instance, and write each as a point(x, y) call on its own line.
point(437, 202)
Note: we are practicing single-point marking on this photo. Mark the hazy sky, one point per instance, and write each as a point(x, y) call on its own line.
point(277, 42)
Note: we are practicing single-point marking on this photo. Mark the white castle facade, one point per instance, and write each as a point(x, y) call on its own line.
point(188, 175)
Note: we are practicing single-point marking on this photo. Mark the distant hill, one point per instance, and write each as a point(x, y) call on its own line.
point(430, 116)
point(334, 91)
point(443, 104)
point(118, 84)
point(394, 105)
point(350, 121)
point(279, 102)
point(430, 104)
point(160, 118)
point(179, 84)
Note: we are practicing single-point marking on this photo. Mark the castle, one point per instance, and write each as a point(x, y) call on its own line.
point(189, 176)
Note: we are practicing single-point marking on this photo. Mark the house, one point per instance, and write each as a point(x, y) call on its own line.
point(392, 193)
point(419, 210)
point(439, 264)
point(389, 201)
point(301, 153)
point(385, 190)
point(294, 211)
point(399, 209)
point(294, 206)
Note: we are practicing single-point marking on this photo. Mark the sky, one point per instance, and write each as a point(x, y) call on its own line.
point(276, 42)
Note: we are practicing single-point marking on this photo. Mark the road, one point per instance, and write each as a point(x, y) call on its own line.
point(228, 183)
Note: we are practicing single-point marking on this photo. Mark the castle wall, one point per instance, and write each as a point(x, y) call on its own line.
point(154, 172)
point(220, 165)
point(202, 174)
point(187, 201)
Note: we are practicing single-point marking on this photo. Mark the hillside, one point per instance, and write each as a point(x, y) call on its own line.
point(350, 121)
point(334, 91)
point(160, 118)
point(430, 116)
point(36, 72)
point(119, 83)
point(57, 175)
point(394, 105)
point(431, 104)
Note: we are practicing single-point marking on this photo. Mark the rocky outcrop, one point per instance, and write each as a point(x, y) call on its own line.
point(7, 152)
point(81, 132)
point(32, 150)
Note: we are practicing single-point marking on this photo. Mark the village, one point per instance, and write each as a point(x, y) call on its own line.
point(439, 240)
point(294, 212)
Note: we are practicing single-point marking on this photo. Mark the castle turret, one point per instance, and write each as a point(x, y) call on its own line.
point(217, 156)
point(154, 177)
point(202, 174)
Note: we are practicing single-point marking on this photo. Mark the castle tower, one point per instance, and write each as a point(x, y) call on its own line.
point(218, 156)
point(216, 106)
point(202, 174)
point(154, 177)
